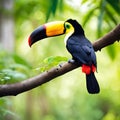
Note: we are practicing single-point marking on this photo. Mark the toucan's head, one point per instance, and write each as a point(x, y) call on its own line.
point(54, 29)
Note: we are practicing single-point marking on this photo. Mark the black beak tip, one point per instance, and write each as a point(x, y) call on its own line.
point(36, 35)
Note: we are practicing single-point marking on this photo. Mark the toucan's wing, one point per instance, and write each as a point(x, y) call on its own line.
point(90, 52)
point(82, 53)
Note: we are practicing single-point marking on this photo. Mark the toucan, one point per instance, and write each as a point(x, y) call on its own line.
point(77, 45)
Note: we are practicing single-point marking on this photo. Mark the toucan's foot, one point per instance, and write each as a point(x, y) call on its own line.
point(71, 61)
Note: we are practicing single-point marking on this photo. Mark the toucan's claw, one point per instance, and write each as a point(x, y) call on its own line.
point(71, 61)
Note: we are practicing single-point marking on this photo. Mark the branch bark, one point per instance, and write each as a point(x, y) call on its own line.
point(20, 87)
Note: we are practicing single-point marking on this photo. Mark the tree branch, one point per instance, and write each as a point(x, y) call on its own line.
point(20, 87)
point(108, 39)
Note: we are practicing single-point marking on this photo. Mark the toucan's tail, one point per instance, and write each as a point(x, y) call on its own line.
point(92, 84)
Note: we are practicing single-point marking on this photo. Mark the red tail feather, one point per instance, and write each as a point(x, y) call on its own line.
point(88, 69)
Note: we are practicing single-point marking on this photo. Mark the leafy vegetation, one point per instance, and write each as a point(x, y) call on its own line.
point(66, 97)
point(11, 70)
point(50, 62)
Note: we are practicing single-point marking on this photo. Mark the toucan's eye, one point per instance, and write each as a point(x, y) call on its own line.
point(67, 26)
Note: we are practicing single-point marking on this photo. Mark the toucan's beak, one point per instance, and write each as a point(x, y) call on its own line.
point(46, 30)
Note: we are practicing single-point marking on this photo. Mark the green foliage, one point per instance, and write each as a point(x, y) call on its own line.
point(107, 13)
point(50, 62)
point(13, 68)
point(115, 5)
point(112, 52)
point(24, 8)
point(5, 113)
point(54, 4)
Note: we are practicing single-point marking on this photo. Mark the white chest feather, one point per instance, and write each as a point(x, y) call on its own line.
point(67, 36)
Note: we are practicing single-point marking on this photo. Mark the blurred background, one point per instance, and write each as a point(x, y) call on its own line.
point(65, 97)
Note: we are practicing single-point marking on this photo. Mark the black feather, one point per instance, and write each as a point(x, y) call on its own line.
point(92, 84)
point(77, 26)
point(82, 51)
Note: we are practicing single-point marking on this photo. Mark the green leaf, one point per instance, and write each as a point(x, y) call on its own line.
point(53, 5)
point(115, 5)
point(61, 4)
point(20, 60)
point(111, 52)
point(101, 16)
point(84, 1)
point(52, 8)
point(54, 59)
point(111, 17)
point(11, 76)
point(51, 62)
